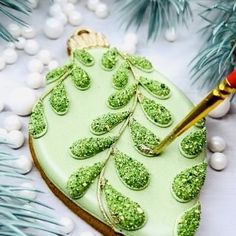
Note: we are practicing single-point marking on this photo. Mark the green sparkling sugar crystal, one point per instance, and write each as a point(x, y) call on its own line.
point(59, 99)
point(144, 140)
point(193, 144)
point(157, 89)
point(121, 77)
point(88, 147)
point(121, 98)
point(109, 59)
point(156, 113)
point(141, 63)
point(126, 214)
point(80, 78)
point(84, 57)
point(188, 183)
point(81, 180)
point(201, 123)
point(37, 122)
point(189, 222)
point(107, 122)
point(132, 173)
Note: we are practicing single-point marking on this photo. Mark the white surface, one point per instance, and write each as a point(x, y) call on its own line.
point(172, 59)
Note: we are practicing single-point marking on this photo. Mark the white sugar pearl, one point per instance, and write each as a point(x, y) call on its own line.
point(218, 161)
point(21, 101)
point(131, 38)
point(15, 139)
point(12, 122)
point(28, 32)
point(35, 65)
point(55, 9)
point(216, 144)
point(34, 3)
point(34, 80)
point(68, 8)
point(28, 191)
point(2, 63)
point(31, 47)
point(2, 105)
point(3, 133)
point(101, 10)
point(128, 48)
point(53, 28)
point(11, 45)
point(44, 56)
point(170, 34)
point(14, 29)
point(10, 55)
point(92, 4)
point(20, 43)
point(75, 18)
point(68, 224)
point(24, 164)
point(62, 18)
point(53, 64)
point(221, 110)
point(86, 233)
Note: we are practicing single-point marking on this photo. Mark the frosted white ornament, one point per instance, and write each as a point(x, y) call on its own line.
point(101, 10)
point(3, 133)
point(28, 191)
point(221, 110)
point(34, 3)
point(216, 144)
point(28, 32)
point(20, 43)
point(44, 56)
point(24, 164)
point(86, 233)
point(2, 63)
point(55, 9)
point(2, 105)
point(218, 161)
point(53, 28)
point(68, 8)
point(34, 80)
point(53, 64)
point(12, 122)
point(31, 47)
point(131, 38)
point(21, 101)
point(35, 65)
point(14, 29)
point(92, 4)
point(68, 224)
point(170, 34)
point(62, 18)
point(15, 139)
point(10, 55)
point(75, 18)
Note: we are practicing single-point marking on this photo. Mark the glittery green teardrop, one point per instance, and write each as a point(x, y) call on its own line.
point(201, 123)
point(59, 99)
point(121, 98)
point(107, 122)
point(110, 59)
point(38, 123)
point(144, 140)
point(132, 172)
point(189, 222)
point(88, 147)
point(84, 57)
point(121, 77)
point(126, 214)
point(188, 183)
point(80, 78)
point(79, 182)
point(141, 63)
point(155, 88)
point(193, 144)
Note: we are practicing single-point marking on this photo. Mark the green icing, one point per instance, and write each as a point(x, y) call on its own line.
point(159, 90)
point(188, 183)
point(109, 59)
point(189, 222)
point(84, 57)
point(107, 122)
point(194, 143)
point(201, 123)
point(37, 122)
point(121, 98)
point(141, 62)
point(80, 180)
point(156, 113)
point(132, 173)
point(80, 78)
point(126, 213)
point(143, 139)
point(59, 99)
point(88, 147)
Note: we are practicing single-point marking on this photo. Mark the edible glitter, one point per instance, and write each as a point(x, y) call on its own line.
point(141, 63)
point(84, 57)
point(80, 78)
point(109, 59)
point(201, 123)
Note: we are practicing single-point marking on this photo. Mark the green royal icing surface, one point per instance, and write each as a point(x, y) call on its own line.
point(161, 209)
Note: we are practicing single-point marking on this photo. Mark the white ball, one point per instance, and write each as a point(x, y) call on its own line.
point(131, 38)
point(221, 110)
point(35, 65)
point(216, 144)
point(10, 55)
point(2, 105)
point(34, 80)
point(101, 10)
point(28, 191)
point(53, 28)
point(31, 47)
point(92, 4)
point(12, 122)
point(86, 233)
point(68, 224)
point(75, 18)
point(20, 44)
point(170, 34)
point(21, 101)
point(14, 29)
point(128, 48)
point(68, 8)
point(28, 32)
point(44, 56)
point(11, 45)
point(62, 18)
point(218, 161)
point(15, 139)
point(24, 164)
point(55, 9)
point(34, 3)
point(2, 63)
point(53, 64)
point(3, 133)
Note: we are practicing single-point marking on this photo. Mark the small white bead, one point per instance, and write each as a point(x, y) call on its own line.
point(221, 110)
point(170, 34)
point(86, 233)
point(131, 38)
point(10, 55)
point(3, 133)
point(27, 191)
point(15, 139)
point(2, 63)
point(101, 10)
point(28, 32)
point(128, 48)
point(216, 144)
point(34, 80)
point(20, 44)
point(55, 9)
point(34, 3)
point(62, 18)
point(75, 18)
point(2, 105)
point(53, 64)
point(11, 45)
point(218, 161)
point(68, 8)
point(53, 28)
point(68, 224)
point(14, 29)
point(12, 122)
point(31, 47)
point(44, 56)
point(92, 4)
point(24, 164)
point(35, 65)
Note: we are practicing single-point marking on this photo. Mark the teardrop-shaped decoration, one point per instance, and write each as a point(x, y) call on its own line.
point(110, 59)
point(132, 172)
point(84, 57)
point(141, 63)
point(105, 123)
point(188, 183)
point(201, 123)
point(80, 78)
point(125, 213)
point(38, 123)
point(88, 147)
point(79, 182)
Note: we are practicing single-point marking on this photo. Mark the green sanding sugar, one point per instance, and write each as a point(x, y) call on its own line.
point(141, 63)
point(84, 57)
point(80, 78)
point(120, 78)
point(109, 59)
